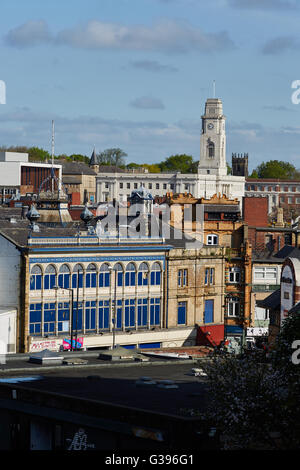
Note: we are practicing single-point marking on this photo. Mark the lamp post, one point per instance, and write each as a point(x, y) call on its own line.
point(71, 310)
point(114, 307)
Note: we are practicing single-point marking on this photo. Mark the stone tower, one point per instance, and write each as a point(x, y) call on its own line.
point(213, 140)
point(239, 164)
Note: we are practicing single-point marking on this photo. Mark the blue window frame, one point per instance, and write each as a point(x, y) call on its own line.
point(182, 278)
point(130, 275)
point(155, 311)
point(155, 274)
point(181, 313)
point(77, 276)
point(77, 317)
point(142, 312)
point(129, 313)
point(64, 277)
point(120, 273)
point(63, 317)
point(35, 319)
point(36, 278)
point(50, 277)
point(104, 276)
point(103, 314)
point(90, 315)
point(49, 318)
point(91, 276)
point(119, 313)
point(208, 311)
point(143, 274)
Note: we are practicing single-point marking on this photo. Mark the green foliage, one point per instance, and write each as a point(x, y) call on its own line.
point(183, 163)
point(112, 156)
point(254, 174)
point(277, 169)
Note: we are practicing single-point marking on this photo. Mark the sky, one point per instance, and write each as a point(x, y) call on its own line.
point(135, 74)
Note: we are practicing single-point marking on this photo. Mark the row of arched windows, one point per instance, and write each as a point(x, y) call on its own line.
point(131, 275)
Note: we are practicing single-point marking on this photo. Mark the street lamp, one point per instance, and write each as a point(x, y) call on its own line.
point(114, 307)
point(71, 310)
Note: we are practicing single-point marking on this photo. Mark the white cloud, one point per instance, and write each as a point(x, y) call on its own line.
point(147, 102)
point(163, 36)
point(32, 33)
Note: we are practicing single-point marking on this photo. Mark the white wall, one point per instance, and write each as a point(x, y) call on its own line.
point(10, 261)
point(13, 157)
point(10, 174)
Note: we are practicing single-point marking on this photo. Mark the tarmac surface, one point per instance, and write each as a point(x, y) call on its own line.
point(114, 382)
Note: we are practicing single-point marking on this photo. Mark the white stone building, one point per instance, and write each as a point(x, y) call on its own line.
point(210, 179)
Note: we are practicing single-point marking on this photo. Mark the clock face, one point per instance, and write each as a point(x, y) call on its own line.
point(210, 126)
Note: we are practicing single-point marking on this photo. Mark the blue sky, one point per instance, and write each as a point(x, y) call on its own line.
point(135, 74)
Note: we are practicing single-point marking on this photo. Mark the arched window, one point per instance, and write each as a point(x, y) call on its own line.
point(104, 275)
point(143, 274)
point(50, 277)
point(155, 274)
point(91, 276)
point(36, 278)
point(130, 275)
point(120, 273)
point(64, 277)
point(211, 149)
point(77, 276)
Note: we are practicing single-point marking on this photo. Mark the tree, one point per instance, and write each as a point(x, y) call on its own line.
point(183, 163)
point(254, 404)
point(113, 156)
point(276, 169)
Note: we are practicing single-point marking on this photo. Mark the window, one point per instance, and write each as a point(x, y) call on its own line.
point(120, 273)
point(142, 312)
point(121, 185)
point(150, 185)
point(104, 276)
point(77, 316)
point(77, 276)
point(155, 311)
point(35, 319)
point(265, 273)
point(49, 318)
point(155, 274)
point(209, 276)
point(135, 185)
point(90, 315)
point(130, 275)
point(164, 186)
point(234, 275)
point(64, 277)
point(182, 277)
point(187, 187)
point(129, 313)
point(233, 307)
point(211, 149)
point(128, 185)
point(181, 313)
point(104, 314)
point(63, 320)
point(50, 277)
point(36, 278)
point(91, 276)
point(212, 239)
point(157, 185)
point(208, 316)
point(143, 274)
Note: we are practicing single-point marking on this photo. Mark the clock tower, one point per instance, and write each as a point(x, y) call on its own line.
point(213, 140)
